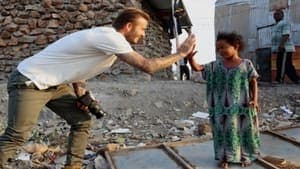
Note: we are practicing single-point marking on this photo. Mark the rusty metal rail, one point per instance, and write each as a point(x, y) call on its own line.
point(178, 158)
point(109, 160)
point(266, 164)
point(284, 137)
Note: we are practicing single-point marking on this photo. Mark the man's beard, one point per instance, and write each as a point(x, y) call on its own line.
point(131, 38)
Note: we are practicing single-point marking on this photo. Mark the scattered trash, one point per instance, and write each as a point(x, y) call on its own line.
point(204, 129)
point(175, 138)
point(121, 131)
point(286, 110)
point(201, 115)
point(23, 156)
point(158, 104)
point(181, 124)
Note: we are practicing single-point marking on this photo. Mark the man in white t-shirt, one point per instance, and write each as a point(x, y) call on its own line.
point(44, 80)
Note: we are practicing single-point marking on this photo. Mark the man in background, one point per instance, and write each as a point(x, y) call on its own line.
point(283, 47)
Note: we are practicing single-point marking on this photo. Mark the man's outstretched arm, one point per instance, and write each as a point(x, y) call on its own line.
point(149, 65)
point(152, 65)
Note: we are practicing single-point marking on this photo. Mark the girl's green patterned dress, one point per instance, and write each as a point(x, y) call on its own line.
point(234, 123)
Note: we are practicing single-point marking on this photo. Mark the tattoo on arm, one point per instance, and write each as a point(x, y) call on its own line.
point(149, 65)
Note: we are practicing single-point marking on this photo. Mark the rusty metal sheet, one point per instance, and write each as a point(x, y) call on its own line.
point(153, 158)
point(201, 155)
point(293, 133)
point(275, 146)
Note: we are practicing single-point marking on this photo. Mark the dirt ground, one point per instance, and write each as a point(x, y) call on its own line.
point(137, 102)
point(143, 111)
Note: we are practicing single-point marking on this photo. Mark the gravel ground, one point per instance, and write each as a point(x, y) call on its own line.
point(141, 112)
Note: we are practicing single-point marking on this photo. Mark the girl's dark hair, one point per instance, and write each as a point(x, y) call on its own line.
point(232, 38)
point(129, 15)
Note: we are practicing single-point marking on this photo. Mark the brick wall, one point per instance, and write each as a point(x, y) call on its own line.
point(28, 26)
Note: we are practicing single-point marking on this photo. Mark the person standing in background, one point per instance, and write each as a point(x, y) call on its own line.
point(282, 46)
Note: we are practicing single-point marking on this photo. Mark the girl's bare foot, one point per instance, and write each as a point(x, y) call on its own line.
point(223, 164)
point(245, 164)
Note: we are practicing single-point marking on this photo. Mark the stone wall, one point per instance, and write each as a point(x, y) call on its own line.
point(28, 26)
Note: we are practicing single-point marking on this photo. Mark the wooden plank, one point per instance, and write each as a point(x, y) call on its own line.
point(266, 164)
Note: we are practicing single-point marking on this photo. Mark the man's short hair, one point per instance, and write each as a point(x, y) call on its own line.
point(279, 11)
point(129, 15)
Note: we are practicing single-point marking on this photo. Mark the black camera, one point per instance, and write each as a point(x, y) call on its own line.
point(89, 100)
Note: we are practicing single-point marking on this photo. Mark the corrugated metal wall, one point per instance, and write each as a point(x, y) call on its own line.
point(295, 19)
point(252, 19)
point(262, 18)
point(234, 17)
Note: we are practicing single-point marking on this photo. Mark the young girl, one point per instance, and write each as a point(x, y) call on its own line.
point(232, 100)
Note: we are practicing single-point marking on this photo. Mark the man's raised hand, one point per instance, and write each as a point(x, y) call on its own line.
point(187, 45)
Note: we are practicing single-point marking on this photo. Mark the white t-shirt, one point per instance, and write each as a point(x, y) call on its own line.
point(78, 56)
